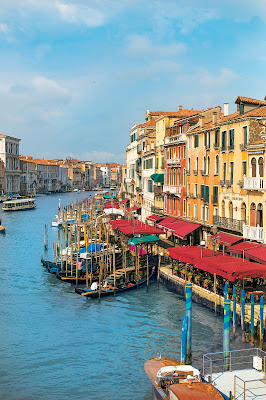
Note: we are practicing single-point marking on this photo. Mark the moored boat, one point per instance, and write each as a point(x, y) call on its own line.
point(2, 229)
point(174, 381)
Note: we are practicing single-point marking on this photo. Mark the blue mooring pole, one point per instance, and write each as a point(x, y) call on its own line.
point(261, 320)
point(226, 335)
point(225, 291)
point(189, 316)
point(252, 317)
point(184, 340)
point(243, 309)
point(234, 311)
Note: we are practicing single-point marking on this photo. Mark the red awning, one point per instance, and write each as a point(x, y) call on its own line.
point(134, 208)
point(228, 239)
point(189, 254)
point(111, 205)
point(123, 201)
point(169, 220)
point(257, 254)
point(140, 230)
point(154, 218)
point(182, 229)
point(239, 248)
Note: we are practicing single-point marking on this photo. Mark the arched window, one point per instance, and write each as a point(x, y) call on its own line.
point(253, 167)
point(259, 220)
point(261, 167)
point(217, 164)
point(223, 209)
point(243, 212)
point(230, 210)
point(252, 214)
point(208, 165)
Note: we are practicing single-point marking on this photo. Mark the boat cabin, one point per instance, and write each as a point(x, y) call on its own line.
point(19, 205)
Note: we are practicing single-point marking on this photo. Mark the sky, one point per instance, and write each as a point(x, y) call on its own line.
point(75, 74)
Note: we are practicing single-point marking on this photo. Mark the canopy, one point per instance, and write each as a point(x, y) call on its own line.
point(228, 267)
point(116, 211)
point(109, 197)
point(257, 254)
point(91, 248)
point(169, 220)
point(134, 208)
point(124, 201)
point(158, 178)
point(144, 240)
point(112, 204)
point(154, 218)
point(228, 239)
point(239, 248)
point(140, 230)
point(141, 252)
point(184, 229)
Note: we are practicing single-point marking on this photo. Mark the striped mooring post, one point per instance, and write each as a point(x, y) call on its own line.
point(252, 303)
point(243, 309)
point(261, 320)
point(234, 311)
point(226, 334)
point(189, 316)
point(184, 340)
point(225, 291)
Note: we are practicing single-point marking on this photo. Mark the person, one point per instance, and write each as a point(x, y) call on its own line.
point(79, 267)
point(94, 286)
point(105, 285)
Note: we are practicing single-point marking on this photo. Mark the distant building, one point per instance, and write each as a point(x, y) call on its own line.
point(2, 176)
point(9, 154)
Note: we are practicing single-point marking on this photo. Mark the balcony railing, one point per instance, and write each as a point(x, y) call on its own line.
point(253, 233)
point(139, 189)
point(240, 184)
point(188, 171)
point(243, 146)
point(216, 146)
point(158, 190)
point(207, 147)
point(231, 147)
point(228, 223)
point(215, 200)
point(205, 198)
point(203, 172)
point(222, 183)
point(171, 161)
point(172, 189)
point(223, 148)
point(229, 183)
point(195, 171)
point(157, 210)
point(256, 183)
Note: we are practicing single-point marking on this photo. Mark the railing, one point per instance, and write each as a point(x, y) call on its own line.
point(157, 210)
point(205, 198)
point(253, 233)
point(216, 146)
point(243, 146)
point(228, 183)
point(203, 172)
point(195, 171)
point(223, 148)
point(188, 171)
point(240, 184)
point(256, 183)
point(207, 147)
point(158, 190)
point(222, 183)
point(139, 189)
point(171, 161)
point(231, 147)
point(214, 200)
point(228, 223)
point(172, 189)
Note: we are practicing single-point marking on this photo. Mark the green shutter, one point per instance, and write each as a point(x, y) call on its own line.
point(202, 191)
point(207, 194)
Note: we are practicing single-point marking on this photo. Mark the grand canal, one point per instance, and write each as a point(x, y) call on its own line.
point(56, 345)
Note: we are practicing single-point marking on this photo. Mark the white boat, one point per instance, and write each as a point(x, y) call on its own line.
point(19, 205)
point(56, 224)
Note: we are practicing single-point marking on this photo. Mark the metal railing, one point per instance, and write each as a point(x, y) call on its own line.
point(228, 223)
point(215, 200)
point(231, 147)
point(195, 171)
point(223, 148)
point(216, 146)
point(243, 146)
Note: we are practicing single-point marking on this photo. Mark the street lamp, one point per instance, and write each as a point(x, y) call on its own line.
point(213, 240)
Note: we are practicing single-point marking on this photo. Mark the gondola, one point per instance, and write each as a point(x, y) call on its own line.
point(109, 291)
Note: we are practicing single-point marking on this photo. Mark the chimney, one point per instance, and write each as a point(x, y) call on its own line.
point(180, 108)
point(214, 117)
point(226, 109)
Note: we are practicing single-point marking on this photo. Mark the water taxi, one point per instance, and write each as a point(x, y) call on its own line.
point(19, 205)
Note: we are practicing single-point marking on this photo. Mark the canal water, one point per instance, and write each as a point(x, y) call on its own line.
point(56, 345)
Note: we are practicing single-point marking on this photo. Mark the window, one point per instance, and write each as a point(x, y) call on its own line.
point(215, 211)
point(209, 139)
point(188, 189)
point(224, 171)
point(208, 165)
point(217, 165)
point(170, 177)
point(189, 163)
point(244, 168)
point(195, 211)
point(174, 183)
point(197, 164)
point(178, 177)
point(232, 139)
point(215, 195)
point(184, 152)
point(170, 153)
point(165, 198)
point(231, 172)
point(245, 129)
point(162, 162)
point(143, 145)
point(202, 214)
point(196, 141)
point(179, 152)
point(184, 177)
point(253, 167)
point(204, 165)
point(216, 138)
point(205, 139)
point(157, 162)
point(150, 186)
point(261, 167)
point(188, 210)
point(207, 213)
point(196, 189)
point(184, 207)
point(224, 140)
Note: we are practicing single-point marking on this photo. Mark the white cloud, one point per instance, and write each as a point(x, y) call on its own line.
point(222, 79)
point(4, 28)
point(75, 14)
point(141, 46)
point(49, 87)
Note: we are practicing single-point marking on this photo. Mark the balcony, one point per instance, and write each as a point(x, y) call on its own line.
point(243, 146)
point(188, 172)
point(157, 210)
point(253, 233)
point(223, 148)
point(240, 184)
point(228, 223)
point(231, 147)
point(176, 190)
point(215, 200)
point(173, 161)
point(205, 198)
point(139, 189)
point(203, 172)
point(222, 183)
point(207, 147)
point(216, 146)
point(229, 183)
point(256, 183)
point(195, 172)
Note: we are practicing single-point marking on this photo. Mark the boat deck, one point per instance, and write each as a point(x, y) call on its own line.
point(250, 384)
